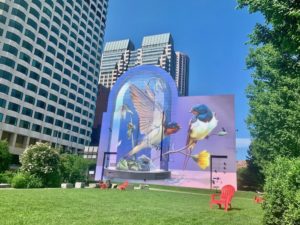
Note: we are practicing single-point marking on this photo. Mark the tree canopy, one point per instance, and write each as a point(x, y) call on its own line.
point(274, 95)
point(5, 156)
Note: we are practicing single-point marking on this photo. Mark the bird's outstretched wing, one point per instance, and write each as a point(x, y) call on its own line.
point(150, 113)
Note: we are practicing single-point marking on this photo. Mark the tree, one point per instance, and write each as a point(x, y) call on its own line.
point(5, 156)
point(282, 192)
point(274, 95)
point(42, 161)
point(73, 168)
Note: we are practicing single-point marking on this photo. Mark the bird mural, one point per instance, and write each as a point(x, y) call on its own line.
point(152, 119)
point(200, 126)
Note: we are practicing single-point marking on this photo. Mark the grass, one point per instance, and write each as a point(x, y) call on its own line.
point(184, 206)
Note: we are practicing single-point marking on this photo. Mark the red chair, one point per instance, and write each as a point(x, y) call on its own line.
point(123, 186)
point(102, 185)
point(227, 192)
point(258, 199)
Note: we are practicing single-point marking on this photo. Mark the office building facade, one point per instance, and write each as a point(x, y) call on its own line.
point(182, 73)
point(119, 56)
point(49, 71)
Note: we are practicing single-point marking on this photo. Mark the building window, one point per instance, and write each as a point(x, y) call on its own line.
point(19, 81)
point(32, 23)
point(18, 13)
point(43, 93)
point(54, 87)
point(38, 116)
point(7, 61)
point(24, 124)
point(60, 112)
point(16, 25)
point(45, 81)
point(41, 43)
point(12, 50)
point(49, 119)
point(4, 6)
point(22, 3)
point(27, 112)
point(34, 76)
point(69, 116)
point(36, 128)
point(30, 99)
point(37, 3)
point(14, 107)
point(58, 123)
point(11, 120)
point(49, 60)
point(75, 129)
point(51, 108)
point(62, 102)
point(27, 45)
point(41, 104)
point(24, 57)
point(71, 106)
point(35, 13)
point(77, 119)
point(30, 34)
point(53, 98)
point(36, 64)
point(45, 22)
point(66, 136)
point(47, 131)
point(64, 91)
point(2, 103)
point(5, 75)
point(43, 32)
point(16, 94)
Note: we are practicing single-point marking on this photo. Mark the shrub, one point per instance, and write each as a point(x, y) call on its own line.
point(73, 168)
point(5, 156)
point(20, 180)
point(34, 182)
point(6, 177)
point(25, 180)
point(282, 188)
point(42, 161)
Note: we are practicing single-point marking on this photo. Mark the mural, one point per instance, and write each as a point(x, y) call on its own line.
point(149, 133)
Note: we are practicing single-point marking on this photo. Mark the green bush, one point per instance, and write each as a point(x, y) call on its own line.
point(6, 177)
point(73, 168)
point(20, 180)
point(282, 192)
point(42, 161)
point(25, 180)
point(249, 179)
point(5, 156)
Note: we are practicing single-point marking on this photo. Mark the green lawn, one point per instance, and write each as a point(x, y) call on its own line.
point(130, 207)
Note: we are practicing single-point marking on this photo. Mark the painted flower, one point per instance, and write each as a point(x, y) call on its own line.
point(202, 159)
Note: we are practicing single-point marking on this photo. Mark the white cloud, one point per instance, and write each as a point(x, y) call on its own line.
point(243, 142)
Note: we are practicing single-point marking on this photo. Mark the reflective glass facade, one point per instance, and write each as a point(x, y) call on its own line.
point(49, 70)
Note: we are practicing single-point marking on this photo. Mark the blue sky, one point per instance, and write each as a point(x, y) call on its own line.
point(212, 32)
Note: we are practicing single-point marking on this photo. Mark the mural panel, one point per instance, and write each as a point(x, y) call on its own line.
point(151, 134)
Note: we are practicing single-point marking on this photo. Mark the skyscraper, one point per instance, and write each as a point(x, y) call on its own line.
point(114, 61)
point(159, 50)
point(119, 56)
point(182, 73)
point(49, 71)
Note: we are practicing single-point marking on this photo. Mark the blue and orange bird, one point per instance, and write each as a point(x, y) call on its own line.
point(152, 120)
point(200, 126)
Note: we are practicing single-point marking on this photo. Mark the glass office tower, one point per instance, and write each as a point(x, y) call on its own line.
point(49, 71)
point(119, 56)
point(182, 73)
